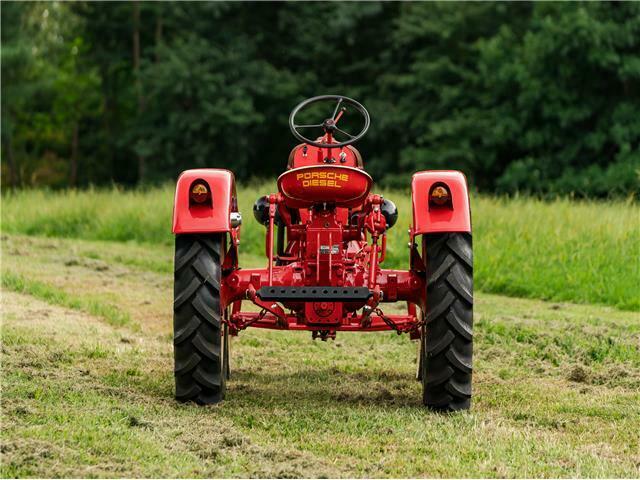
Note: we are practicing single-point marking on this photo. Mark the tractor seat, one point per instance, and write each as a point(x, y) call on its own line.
point(338, 185)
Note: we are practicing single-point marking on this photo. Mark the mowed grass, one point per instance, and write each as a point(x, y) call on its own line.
point(585, 252)
point(556, 386)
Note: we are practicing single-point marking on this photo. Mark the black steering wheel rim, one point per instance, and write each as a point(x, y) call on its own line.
point(340, 99)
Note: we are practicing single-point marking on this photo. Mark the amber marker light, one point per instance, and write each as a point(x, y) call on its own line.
point(199, 193)
point(440, 195)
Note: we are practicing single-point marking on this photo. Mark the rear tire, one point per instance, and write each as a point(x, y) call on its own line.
point(200, 335)
point(447, 338)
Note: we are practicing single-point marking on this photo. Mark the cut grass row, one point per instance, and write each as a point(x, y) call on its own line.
point(16, 282)
point(585, 252)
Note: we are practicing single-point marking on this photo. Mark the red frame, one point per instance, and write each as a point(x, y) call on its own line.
point(331, 243)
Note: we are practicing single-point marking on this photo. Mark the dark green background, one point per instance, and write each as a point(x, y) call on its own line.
point(541, 98)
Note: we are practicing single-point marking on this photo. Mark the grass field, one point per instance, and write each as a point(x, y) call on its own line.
point(87, 382)
point(585, 252)
point(87, 385)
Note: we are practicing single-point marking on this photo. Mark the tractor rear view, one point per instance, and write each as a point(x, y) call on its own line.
point(324, 246)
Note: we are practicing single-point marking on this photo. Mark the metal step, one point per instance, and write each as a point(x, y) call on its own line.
point(315, 294)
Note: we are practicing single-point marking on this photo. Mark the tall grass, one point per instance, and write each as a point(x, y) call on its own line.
point(94, 214)
point(587, 252)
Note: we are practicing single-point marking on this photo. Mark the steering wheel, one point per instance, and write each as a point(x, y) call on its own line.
point(330, 124)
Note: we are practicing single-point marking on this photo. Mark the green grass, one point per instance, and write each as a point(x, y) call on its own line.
point(556, 386)
point(94, 306)
point(585, 252)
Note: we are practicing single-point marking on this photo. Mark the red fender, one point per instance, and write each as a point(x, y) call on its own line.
point(454, 217)
point(190, 217)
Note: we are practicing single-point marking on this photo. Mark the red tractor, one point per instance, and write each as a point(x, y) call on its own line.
point(325, 243)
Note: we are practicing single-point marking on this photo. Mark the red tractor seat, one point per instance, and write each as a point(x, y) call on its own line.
point(341, 186)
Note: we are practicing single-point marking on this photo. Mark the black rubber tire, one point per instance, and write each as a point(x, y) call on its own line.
point(448, 332)
point(200, 336)
point(227, 366)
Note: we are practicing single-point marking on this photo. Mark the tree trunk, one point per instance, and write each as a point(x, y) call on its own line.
point(14, 173)
point(136, 72)
point(73, 170)
point(158, 35)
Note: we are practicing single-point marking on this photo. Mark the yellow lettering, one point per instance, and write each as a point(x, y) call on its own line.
point(322, 179)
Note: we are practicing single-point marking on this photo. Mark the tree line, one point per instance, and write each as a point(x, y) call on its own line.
point(540, 98)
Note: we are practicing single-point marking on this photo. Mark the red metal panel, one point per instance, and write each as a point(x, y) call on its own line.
point(205, 218)
point(307, 155)
point(456, 218)
point(305, 186)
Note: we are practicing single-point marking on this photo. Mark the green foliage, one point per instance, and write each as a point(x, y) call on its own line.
point(201, 91)
point(50, 95)
point(580, 251)
point(533, 98)
point(529, 97)
point(574, 97)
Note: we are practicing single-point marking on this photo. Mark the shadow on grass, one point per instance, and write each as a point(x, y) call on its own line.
point(324, 386)
point(311, 388)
